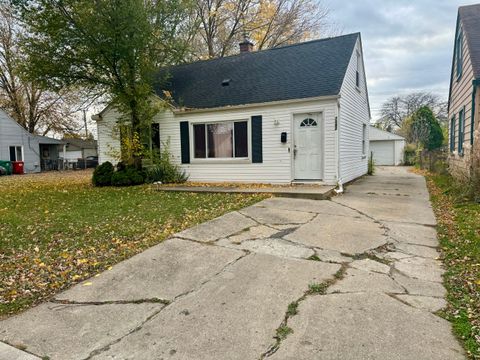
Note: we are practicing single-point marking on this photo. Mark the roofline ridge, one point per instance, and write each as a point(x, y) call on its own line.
point(466, 6)
point(358, 33)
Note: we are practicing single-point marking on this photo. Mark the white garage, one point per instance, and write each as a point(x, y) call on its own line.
point(387, 148)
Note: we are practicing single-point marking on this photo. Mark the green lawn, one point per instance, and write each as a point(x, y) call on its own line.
point(56, 229)
point(459, 235)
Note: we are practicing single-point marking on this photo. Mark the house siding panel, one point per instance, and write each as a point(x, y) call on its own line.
point(277, 157)
point(354, 112)
point(12, 134)
point(108, 137)
point(461, 98)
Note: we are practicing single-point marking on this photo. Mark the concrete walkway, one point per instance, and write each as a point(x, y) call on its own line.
point(356, 277)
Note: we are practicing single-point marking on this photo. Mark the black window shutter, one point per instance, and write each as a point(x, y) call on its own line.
point(257, 147)
point(185, 142)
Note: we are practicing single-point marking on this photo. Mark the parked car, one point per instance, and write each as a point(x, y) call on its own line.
point(3, 171)
point(87, 163)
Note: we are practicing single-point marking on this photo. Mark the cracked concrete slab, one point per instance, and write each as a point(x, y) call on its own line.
point(413, 233)
point(221, 227)
point(8, 352)
point(419, 287)
point(366, 326)
point(305, 205)
point(73, 331)
point(331, 232)
point(428, 303)
point(271, 246)
point(332, 256)
point(365, 281)
point(392, 255)
point(274, 216)
point(370, 265)
point(252, 233)
point(420, 268)
point(234, 316)
point(384, 187)
point(418, 250)
point(164, 272)
point(390, 208)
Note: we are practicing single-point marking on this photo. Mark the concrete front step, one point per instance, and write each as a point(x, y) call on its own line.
point(313, 192)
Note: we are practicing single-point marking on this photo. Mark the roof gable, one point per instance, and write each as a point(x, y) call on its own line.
point(379, 134)
point(470, 18)
point(311, 69)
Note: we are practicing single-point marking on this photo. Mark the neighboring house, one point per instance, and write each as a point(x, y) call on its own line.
point(464, 98)
point(293, 113)
point(80, 149)
point(387, 148)
point(17, 144)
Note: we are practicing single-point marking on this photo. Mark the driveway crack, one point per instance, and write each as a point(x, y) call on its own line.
point(283, 331)
point(140, 326)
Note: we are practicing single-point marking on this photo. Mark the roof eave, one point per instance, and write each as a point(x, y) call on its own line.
point(185, 110)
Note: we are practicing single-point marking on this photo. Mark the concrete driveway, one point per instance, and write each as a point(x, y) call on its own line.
point(356, 277)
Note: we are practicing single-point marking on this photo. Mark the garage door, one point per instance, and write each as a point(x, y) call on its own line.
point(383, 152)
point(73, 155)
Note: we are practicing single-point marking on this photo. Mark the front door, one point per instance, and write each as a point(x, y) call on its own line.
point(307, 146)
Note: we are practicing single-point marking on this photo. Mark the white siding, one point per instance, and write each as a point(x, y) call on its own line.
point(354, 112)
point(108, 137)
point(399, 152)
point(12, 134)
point(277, 157)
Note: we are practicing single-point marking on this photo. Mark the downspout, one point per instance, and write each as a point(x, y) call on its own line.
point(339, 189)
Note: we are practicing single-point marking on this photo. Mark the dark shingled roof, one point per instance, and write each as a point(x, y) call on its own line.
point(470, 17)
point(309, 69)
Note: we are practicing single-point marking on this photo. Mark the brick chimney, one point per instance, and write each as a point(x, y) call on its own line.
point(246, 45)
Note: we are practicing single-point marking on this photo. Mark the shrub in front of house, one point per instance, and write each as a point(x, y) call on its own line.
point(128, 176)
point(163, 170)
point(102, 176)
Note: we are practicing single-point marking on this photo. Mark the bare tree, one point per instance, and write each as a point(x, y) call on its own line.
point(222, 24)
point(36, 109)
point(398, 108)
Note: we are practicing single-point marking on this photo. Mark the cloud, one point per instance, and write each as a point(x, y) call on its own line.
point(407, 45)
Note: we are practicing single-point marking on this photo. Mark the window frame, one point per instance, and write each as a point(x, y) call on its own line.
point(364, 140)
point(453, 125)
point(16, 149)
point(233, 159)
point(357, 71)
point(461, 130)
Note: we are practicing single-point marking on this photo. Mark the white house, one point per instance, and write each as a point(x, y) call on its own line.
point(387, 148)
point(297, 113)
point(17, 144)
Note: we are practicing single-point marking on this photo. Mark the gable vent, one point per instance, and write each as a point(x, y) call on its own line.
point(226, 82)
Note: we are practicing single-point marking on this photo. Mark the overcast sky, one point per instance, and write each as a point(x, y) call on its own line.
point(407, 44)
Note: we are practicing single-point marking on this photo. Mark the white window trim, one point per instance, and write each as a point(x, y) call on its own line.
point(232, 160)
point(21, 149)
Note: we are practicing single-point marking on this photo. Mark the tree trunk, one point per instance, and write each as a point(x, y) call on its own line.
point(135, 118)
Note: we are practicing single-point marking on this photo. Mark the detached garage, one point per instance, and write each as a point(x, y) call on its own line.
point(387, 148)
